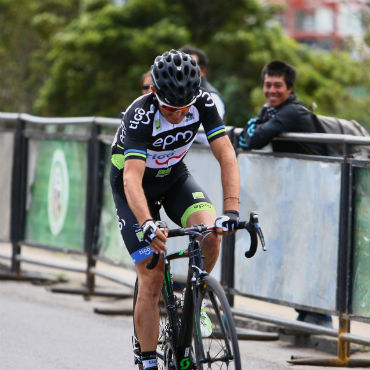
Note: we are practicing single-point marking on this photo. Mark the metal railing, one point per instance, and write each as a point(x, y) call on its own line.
point(95, 139)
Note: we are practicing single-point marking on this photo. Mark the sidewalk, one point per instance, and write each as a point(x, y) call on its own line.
point(69, 279)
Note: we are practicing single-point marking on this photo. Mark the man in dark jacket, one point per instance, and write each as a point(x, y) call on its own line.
point(202, 60)
point(282, 112)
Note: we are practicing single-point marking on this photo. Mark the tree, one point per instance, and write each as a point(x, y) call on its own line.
point(89, 58)
point(26, 28)
point(98, 59)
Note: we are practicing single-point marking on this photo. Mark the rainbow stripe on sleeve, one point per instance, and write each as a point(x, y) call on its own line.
point(134, 153)
point(216, 131)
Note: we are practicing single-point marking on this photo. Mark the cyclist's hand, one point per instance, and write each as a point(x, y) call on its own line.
point(154, 236)
point(228, 221)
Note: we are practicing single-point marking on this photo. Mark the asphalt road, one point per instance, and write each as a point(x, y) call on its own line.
point(40, 330)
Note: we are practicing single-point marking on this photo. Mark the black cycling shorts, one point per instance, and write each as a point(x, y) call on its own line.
point(178, 193)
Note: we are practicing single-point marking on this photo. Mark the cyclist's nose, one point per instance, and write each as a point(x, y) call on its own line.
point(179, 115)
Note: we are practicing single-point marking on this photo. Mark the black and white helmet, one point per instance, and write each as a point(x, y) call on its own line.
point(176, 78)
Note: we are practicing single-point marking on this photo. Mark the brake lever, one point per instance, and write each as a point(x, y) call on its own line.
point(260, 236)
point(253, 219)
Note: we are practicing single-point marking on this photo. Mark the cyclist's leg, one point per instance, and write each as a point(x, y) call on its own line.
point(146, 315)
point(211, 244)
point(150, 282)
point(188, 204)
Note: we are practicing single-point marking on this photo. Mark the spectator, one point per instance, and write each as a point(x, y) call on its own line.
point(282, 112)
point(146, 83)
point(202, 60)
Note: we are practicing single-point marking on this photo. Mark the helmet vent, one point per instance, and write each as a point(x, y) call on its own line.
point(177, 60)
point(179, 76)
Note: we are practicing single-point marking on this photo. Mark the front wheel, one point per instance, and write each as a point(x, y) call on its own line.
point(215, 339)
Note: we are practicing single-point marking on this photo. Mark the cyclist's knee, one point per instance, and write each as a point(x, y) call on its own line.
point(150, 281)
point(212, 242)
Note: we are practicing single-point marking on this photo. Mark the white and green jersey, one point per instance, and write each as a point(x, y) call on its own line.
point(145, 134)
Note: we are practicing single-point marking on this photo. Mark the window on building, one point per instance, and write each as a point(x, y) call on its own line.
point(304, 20)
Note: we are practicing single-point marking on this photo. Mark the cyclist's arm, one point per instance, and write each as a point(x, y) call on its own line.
point(230, 176)
point(132, 179)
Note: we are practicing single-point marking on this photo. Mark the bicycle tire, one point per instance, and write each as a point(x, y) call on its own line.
point(168, 329)
point(220, 350)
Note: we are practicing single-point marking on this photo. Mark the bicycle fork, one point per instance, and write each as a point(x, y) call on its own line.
point(188, 319)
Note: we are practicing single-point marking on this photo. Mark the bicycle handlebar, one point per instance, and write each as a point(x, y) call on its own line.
point(251, 226)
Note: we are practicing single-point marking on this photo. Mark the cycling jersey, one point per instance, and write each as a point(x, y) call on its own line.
point(178, 193)
point(145, 134)
point(216, 96)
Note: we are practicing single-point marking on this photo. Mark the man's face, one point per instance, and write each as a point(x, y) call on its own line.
point(275, 90)
point(202, 70)
point(174, 117)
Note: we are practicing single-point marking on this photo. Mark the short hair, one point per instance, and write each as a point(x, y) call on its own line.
point(202, 56)
point(280, 68)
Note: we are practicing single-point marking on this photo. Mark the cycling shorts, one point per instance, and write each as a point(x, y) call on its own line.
point(178, 193)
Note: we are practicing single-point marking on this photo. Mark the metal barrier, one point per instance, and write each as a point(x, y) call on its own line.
point(94, 228)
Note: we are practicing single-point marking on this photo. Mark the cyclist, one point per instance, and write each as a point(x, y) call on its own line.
point(156, 132)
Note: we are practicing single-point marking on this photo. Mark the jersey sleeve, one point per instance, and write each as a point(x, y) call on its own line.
point(135, 132)
point(213, 124)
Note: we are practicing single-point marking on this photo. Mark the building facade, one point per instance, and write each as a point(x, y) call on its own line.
point(325, 24)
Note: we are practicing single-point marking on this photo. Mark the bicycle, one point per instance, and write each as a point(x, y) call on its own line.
point(181, 344)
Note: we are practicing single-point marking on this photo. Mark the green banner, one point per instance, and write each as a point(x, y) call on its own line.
point(110, 241)
point(361, 266)
point(56, 197)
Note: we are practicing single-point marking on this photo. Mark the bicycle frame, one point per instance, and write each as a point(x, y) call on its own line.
point(183, 335)
point(180, 334)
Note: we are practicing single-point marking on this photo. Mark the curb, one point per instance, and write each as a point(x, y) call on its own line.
point(299, 339)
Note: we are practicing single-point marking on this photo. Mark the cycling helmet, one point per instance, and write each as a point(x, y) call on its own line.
point(176, 78)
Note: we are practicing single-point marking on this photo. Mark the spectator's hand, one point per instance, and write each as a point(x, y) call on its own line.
point(242, 142)
point(153, 235)
point(251, 126)
point(248, 132)
point(228, 221)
